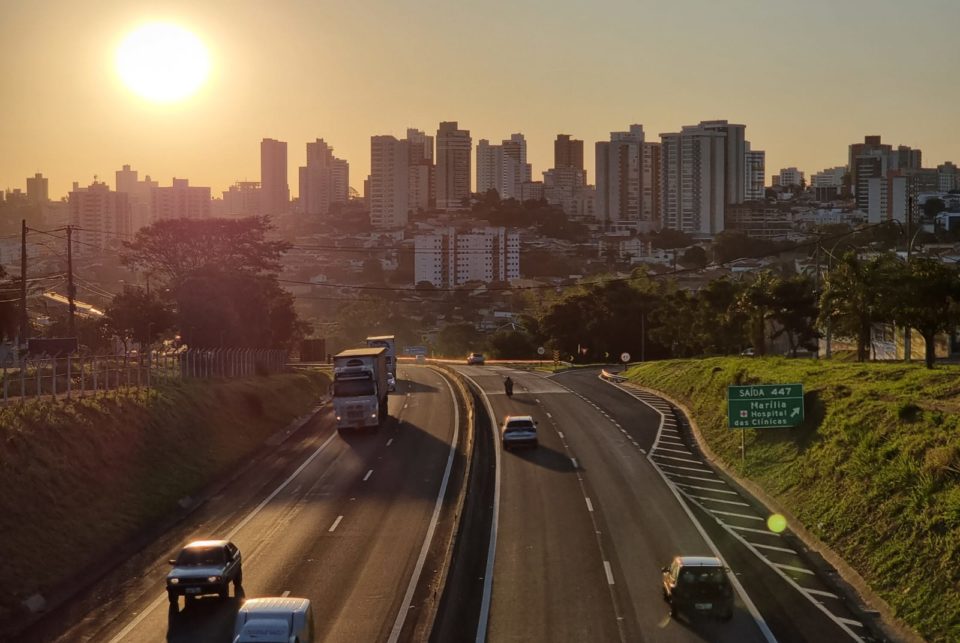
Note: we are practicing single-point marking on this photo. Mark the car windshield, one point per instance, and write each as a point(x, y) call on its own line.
point(201, 557)
point(702, 576)
point(522, 425)
point(353, 388)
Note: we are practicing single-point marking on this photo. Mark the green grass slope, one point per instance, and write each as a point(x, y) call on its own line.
point(874, 472)
point(77, 479)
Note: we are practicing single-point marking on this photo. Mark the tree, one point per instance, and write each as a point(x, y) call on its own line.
point(928, 299)
point(756, 302)
point(512, 344)
point(795, 311)
point(134, 314)
point(694, 257)
point(669, 238)
point(455, 340)
point(933, 207)
point(857, 293)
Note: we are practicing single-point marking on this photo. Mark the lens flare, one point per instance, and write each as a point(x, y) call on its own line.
point(163, 62)
point(776, 523)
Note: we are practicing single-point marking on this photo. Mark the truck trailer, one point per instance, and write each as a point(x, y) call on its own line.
point(390, 343)
point(360, 387)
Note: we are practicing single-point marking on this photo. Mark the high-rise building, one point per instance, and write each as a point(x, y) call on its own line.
point(873, 148)
point(448, 259)
point(453, 166)
point(789, 177)
point(180, 201)
point(242, 199)
point(102, 216)
point(38, 189)
point(139, 193)
point(503, 167)
point(693, 180)
point(568, 153)
point(755, 167)
point(388, 187)
point(948, 177)
point(324, 180)
point(620, 175)
point(828, 184)
point(274, 189)
point(422, 189)
point(734, 160)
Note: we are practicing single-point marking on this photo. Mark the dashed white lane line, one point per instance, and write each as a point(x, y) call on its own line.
point(335, 524)
point(560, 433)
point(606, 568)
point(390, 441)
point(537, 401)
point(574, 462)
point(799, 570)
point(589, 504)
point(285, 593)
point(367, 477)
point(549, 416)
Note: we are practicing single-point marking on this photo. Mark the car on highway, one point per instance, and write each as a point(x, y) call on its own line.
point(698, 585)
point(518, 431)
point(204, 568)
point(274, 620)
point(475, 359)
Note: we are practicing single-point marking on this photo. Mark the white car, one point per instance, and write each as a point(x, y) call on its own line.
point(518, 431)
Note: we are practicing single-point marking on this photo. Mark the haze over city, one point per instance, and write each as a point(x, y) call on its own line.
point(806, 78)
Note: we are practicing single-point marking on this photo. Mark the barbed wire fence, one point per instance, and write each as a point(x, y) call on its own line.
point(78, 376)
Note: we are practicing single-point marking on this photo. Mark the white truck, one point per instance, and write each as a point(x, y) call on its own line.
point(390, 343)
point(360, 387)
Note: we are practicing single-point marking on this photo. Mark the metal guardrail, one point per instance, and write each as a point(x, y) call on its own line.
point(59, 378)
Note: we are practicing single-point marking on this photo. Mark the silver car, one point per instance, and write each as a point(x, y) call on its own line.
point(518, 431)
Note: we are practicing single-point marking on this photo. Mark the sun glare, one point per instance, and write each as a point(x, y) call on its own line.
point(163, 62)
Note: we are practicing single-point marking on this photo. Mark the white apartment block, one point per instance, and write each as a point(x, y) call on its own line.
point(139, 193)
point(887, 199)
point(829, 178)
point(789, 176)
point(619, 171)
point(734, 158)
point(949, 177)
point(561, 185)
point(180, 201)
point(324, 180)
point(693, 181)
point(755, 175)
point(449, 259)
point(389, 183)
point(102, 216)
point(503, 167)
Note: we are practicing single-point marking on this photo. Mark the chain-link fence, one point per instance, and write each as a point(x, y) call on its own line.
point(79, 376)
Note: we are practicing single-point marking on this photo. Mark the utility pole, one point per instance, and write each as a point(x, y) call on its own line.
point(71, 289)
point(24, 320)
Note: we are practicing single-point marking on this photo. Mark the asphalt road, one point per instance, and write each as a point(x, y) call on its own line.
point(339, 519)
point(586, 521)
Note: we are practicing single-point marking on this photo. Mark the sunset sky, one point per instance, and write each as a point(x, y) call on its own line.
point(806, 77)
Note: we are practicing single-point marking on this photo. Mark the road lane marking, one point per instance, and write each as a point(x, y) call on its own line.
point(726, 502)
point(799, 570)
point(560, 433)
point(670, 457)
point(549, 416)
point(684, 451)
point(736, 515)
point(336, 522)
point(589, 504)
point(574, 461)
point(390, 441)
point(689, 477)
point(538, 402)
point(606, 568)
point(783, 550)
point(667, 465)
point(710, 489)
point(367, 477)
point(285, 593)
point(233, 532)
point(765, 532)
point(850, 621)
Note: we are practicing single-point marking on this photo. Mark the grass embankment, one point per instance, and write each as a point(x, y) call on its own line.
point(874, 472)
point(78, 479)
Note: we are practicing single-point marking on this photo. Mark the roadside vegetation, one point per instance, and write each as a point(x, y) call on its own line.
point(80, 478)
point(874, 472)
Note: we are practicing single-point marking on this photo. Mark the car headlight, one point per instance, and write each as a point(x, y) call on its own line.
point(173, 581)
point(213, 579)
point(338, 418)
point(373, 415)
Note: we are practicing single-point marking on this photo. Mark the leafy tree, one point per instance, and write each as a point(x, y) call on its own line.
point(513, 344)
point(928, 299)
point(133, 314)
point(456, 340)
point(857, 293)
point(668, 239)
point(694, 257)
point(9, 306)
point(91, 332)
point(795, 311)
point(719, 324)
point(933, 207)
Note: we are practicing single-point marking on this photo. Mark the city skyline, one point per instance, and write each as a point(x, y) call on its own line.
point(772, 68)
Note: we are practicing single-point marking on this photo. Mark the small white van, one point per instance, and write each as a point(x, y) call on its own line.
point(274, 620)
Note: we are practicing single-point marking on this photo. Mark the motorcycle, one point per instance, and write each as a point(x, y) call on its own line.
point(508, 387)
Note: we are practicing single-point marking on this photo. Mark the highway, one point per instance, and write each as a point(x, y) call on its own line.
point(587, 520)
point(344, 520)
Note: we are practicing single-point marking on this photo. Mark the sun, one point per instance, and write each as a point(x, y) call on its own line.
point(163, 62)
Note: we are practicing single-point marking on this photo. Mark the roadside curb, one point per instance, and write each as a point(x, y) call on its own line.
point(852, 585)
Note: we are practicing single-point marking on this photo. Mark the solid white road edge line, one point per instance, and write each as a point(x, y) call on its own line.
point(163, 597)
point(425, 548)
point(492, 547)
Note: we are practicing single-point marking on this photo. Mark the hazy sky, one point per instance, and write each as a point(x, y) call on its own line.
point(806, 77)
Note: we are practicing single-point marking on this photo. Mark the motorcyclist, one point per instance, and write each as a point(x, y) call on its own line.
point(508, 386)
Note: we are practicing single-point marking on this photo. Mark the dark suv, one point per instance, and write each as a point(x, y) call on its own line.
point(205, 567)
point(698, 585)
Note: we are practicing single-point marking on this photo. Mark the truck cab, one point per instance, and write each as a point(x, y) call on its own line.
point(274, 620)
point(360, 388)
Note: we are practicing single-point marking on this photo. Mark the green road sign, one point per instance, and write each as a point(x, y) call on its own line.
point(765, 406)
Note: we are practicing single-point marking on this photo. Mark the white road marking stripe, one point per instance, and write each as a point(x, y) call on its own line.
point(755, 531)
point(819, 592)
point(163, 597)
point(367, 477)
point(589, 504)
point(606, 568)
point(684, 451)
point(736, 515)
point(850, 621)
point(784, 550)
point(421, 559)
point(799, 570)
point(726, 502)
point(693, 486)
point(689, 477)
point(574, 461)
point(548, 415)
point(335, 524)
point(536, 400)
point(670, 457)
point(560, 433)
point(672, 439)
point(390, 441)
point(666, 465)
point(286, 593)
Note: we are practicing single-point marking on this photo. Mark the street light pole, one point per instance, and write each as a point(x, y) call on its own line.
point(907, 340)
